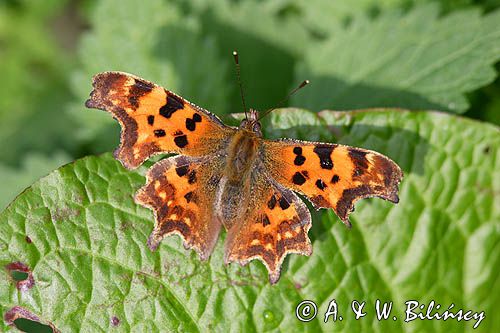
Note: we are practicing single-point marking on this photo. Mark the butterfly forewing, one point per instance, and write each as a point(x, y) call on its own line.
point(331, 175)
point(155, 120)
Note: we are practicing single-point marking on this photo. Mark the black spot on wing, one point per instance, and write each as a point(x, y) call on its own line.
point(283, 203)
point(299, 160)
point(173, 104)
point(335, 179)
point(142, 86)
point(137, 90)
point(197, 118)
point(151, 119)
point(298, 178)
point(159, 133)
point(181, 141)
point(272, 202)
point(188, 196)
point(324, 153)
point(191, 122)
point(182, 170)
point(320, 184)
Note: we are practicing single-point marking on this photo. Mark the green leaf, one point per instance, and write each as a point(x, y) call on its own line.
point(415, 60)
point(153, 40)
point(485, 103)
point(91, 265)
point(268, 44)
point(34, 86)
point(324, 17)
point(33, 167)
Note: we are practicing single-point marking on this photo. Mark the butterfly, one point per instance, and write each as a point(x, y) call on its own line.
point(231, 177)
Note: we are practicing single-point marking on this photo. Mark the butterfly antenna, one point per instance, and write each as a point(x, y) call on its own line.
point(302, 85)
point(238, 75)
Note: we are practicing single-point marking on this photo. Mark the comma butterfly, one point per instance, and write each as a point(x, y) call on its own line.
point(231, 176)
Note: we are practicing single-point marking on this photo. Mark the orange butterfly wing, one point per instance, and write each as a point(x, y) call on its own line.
point(331, 175)
point(276, 224)
point(181, 190)
point(155, 120)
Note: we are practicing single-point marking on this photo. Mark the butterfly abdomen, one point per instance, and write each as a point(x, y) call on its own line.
point(230, 203)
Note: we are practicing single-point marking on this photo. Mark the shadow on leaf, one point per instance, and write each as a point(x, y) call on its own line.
point(333, 93)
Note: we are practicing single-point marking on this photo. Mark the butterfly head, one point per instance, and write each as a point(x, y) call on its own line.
point(252, 123)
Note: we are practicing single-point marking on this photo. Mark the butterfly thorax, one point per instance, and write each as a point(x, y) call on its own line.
point(242, 149)
point(241, 155)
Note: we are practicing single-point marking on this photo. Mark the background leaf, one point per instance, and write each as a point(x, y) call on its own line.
point(415, 60)
point(269, 45)
point(34, 87)
point(32, 168)
point(88, 254)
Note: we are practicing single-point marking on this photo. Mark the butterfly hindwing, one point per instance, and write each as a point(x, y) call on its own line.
point(180, 190)
point(276, 223)
point(331, 175)
point(154, 120)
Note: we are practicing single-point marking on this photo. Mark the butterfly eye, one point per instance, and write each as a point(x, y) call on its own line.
point(256, 127)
